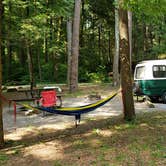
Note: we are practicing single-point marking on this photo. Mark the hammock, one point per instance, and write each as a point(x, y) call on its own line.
point(77, 110)
point(74, 111)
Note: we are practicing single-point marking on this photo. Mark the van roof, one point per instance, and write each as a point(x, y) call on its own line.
point(160, 61)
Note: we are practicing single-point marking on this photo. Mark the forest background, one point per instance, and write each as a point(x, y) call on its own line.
point(35, 36)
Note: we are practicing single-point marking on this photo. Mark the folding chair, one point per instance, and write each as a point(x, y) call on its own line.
point(48, 98)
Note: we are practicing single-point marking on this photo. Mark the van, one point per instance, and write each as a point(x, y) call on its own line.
point(150, 79)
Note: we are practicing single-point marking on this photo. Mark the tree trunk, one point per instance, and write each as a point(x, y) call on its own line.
point(55, 66)
point(135, 41)
point(99, 40)
point(1, 110)
point(75, 47)
point(9, 47)
point(126, 81)
point(109, 59)
point(9, 54)
point(130, 36)
point(45, 47)
point(69, 40)
point(22, 53)
point(30, 67)
point(116, 57)
point(46, 41)
point(144, 40)
point(151, 36)
point(82, 24)
point(39, 65)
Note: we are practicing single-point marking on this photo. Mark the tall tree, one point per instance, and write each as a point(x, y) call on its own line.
point(9, 47)
point(126, 81)
point(1, 119)
point(116, 56)
point(69, 41)
point(30, 67)
point(75, 47)
point(130, 35)
point(29, 56)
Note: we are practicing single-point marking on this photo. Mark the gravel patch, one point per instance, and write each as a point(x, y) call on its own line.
point(112, 108)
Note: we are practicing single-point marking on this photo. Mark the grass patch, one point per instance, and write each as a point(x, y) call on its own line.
point(105, 141)
point(78, 144)
point(3, 158)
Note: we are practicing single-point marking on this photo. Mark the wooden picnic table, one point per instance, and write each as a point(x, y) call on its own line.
point(34, 94)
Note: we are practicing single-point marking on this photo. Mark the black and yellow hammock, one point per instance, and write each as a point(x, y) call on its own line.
point(74, 111)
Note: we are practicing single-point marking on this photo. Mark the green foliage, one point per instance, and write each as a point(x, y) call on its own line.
point(95, 77)
point(47, 72)
point(62, 73)
point(153, 8)
point(42, 26)
point(99, 76)
point(103, 9)
point(148, 28)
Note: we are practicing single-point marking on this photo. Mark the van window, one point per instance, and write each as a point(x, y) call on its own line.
point(159, 71)
point(140, 72)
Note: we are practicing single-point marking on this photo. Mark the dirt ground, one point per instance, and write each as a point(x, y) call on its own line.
point(32, 128)
point(112, 108)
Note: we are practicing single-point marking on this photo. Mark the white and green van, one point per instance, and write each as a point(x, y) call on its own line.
point(150, 79)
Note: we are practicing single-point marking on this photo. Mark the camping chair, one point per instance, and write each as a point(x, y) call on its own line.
point(48, 98)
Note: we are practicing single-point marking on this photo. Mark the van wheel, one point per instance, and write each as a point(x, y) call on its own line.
point(164, 97)
point(154, 99)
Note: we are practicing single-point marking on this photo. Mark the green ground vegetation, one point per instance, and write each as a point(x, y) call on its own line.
point(110, 141)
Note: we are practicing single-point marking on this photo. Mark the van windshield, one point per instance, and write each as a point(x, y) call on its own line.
point(159, 71)
point(140, 72)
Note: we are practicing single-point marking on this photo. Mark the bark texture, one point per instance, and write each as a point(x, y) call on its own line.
point(75, 47)
point(1, 118)
point(126, 81)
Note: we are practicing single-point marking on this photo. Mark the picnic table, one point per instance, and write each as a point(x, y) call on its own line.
point(34, 94)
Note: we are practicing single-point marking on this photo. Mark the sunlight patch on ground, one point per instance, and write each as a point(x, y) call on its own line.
point(31, 131)
point(95, 143)
point(47, 151)
point(60, 126)
point(106, 133)
point(19, 133)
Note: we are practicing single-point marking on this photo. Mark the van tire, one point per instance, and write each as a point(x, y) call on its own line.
point(164, 97)
point(154, 99)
